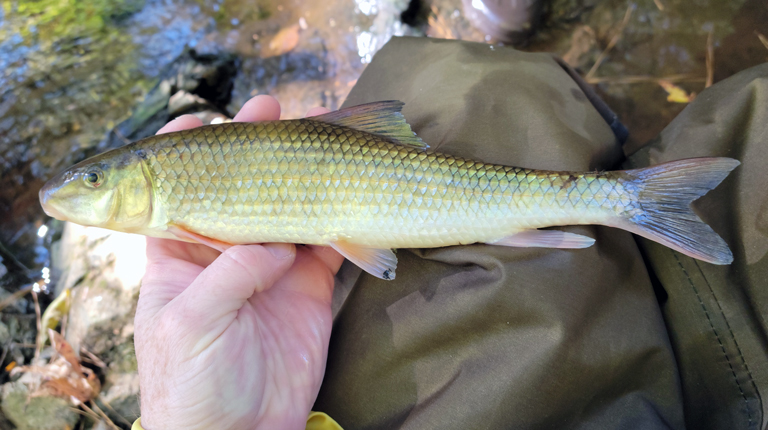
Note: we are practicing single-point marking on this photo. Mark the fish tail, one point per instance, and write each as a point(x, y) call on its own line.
point(665, 193)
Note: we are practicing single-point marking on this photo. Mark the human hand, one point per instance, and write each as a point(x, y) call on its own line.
point(233, 340)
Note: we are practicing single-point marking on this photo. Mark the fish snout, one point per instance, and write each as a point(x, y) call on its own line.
point(46, 201)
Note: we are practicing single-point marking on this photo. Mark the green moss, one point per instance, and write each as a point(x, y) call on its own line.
point(122, 358)
point(36, 413)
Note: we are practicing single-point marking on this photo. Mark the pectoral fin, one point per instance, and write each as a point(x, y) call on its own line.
point(184, 234)
point(545, 239)
point(380, 263)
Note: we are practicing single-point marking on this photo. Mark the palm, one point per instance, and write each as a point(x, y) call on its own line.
point(294, 326)
point(270, 352)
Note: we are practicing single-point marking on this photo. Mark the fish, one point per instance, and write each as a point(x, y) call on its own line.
point(362, 182)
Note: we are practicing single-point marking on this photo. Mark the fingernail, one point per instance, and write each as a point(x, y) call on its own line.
point(280, 250)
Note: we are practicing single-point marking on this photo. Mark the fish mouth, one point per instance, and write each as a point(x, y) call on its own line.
point(46, 201)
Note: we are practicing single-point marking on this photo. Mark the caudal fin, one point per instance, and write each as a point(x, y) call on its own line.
point(665, 194)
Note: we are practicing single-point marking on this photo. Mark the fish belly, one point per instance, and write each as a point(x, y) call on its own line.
point(309, 182)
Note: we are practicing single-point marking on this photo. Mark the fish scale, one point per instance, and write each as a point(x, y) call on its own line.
point(303, 180)
point(361, 182)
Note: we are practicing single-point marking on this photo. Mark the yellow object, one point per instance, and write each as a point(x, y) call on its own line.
point(53, 314)
point(321, 421)
point(675, 93)
point(315, 421)
point(358, 180)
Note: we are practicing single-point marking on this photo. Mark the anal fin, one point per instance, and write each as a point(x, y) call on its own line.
point(380, 263)
point(183, 233)
point(545, 239)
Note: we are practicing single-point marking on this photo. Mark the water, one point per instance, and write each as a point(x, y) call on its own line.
point(71, 70)
point(663, 38)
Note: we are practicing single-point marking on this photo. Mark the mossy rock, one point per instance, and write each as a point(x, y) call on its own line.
point(40, 413)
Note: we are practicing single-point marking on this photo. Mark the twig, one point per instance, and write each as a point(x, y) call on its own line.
point(24, 345)
point(92, 358)
point(613, 42)
point(16, 296)
point(102, 414)
point(644, 78)
point(15, 260)
point(122, 418)
point(39, 323)
point(763, 39)
point(88, 412)
point(710, 61)
point(120, 136)
point(659, 4)
point(5, 352)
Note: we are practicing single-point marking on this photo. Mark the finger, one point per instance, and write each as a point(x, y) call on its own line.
point(164, 281)
point(315, 111)
point(309, 277)
point(162, 249)
point(259, 108)
point(183, 122)
point(239, 272)
point(171, 267)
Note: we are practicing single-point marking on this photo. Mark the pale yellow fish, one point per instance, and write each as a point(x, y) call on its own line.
point(360, 181)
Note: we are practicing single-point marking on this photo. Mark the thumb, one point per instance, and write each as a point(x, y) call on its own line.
point(237, 274)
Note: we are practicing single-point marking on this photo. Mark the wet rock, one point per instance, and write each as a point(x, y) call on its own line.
point(19, 305)
point(209, 77)
point(121, 392)
point(5, 334)
point(36, 413)
point(21, 332)
point(104, 269)
point(121, 385)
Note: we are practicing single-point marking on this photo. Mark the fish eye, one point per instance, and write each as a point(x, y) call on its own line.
point(93, 177)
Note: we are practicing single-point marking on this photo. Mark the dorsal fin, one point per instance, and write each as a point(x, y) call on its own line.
point(381, 118)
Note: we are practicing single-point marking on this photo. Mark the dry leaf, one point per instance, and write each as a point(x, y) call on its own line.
point(65, 350)
point(64, 376)
point(68, 387)
point(283, 42)
point(675, 93)
point(60, 380)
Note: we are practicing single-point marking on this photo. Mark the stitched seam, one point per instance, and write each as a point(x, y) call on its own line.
point(733, 336)
point(712, 326)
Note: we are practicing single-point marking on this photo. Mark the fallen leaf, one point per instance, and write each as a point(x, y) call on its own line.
point(76, 386)
point(283, 42)
point(65, 388)
point(65, 350)
point(675, 93)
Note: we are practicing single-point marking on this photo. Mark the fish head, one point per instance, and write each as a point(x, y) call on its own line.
point(112, 190)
